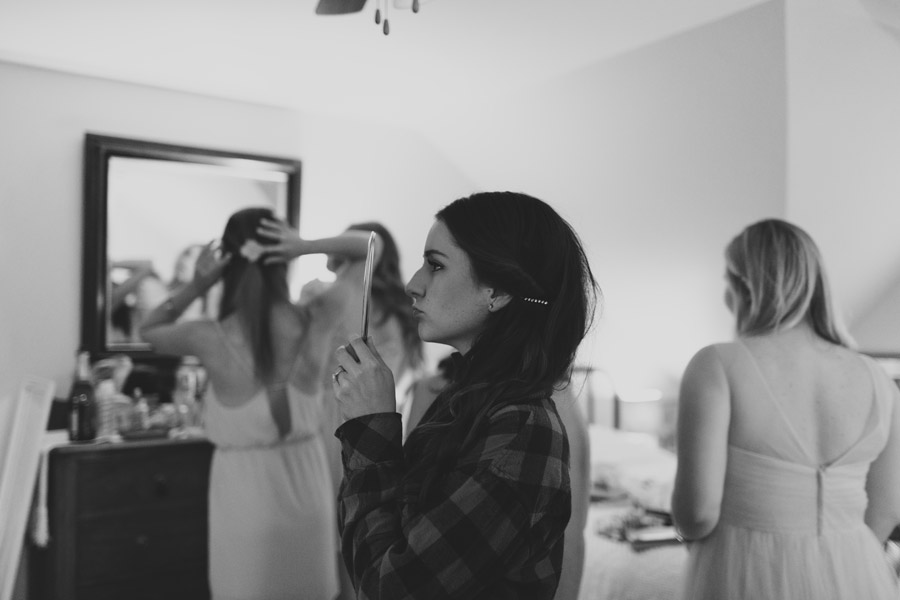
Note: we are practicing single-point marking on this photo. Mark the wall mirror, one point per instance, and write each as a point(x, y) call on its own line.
point(148, 207)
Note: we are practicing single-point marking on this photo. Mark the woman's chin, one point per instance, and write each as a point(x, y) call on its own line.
point(427, 335)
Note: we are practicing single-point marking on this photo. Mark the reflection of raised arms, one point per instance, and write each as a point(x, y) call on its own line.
point(138, 270)
point(207, 271)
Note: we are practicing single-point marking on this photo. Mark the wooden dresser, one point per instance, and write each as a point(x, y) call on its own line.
point(127, 522)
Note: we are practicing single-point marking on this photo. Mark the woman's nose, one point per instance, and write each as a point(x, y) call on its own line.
point(413, 289)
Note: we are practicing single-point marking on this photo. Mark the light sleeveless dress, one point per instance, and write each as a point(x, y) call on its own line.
point(791, 529)
point(272, 512)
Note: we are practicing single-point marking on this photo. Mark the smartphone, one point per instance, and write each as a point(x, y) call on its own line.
point(367, 285)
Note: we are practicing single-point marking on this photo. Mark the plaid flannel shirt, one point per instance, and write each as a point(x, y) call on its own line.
point(495, 529)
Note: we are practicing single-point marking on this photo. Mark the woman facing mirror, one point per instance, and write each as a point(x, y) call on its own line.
point(271, 504)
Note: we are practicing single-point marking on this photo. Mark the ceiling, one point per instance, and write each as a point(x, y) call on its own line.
point(278, 52)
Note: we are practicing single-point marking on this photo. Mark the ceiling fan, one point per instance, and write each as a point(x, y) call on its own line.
point(339, 7)
point(346, 7)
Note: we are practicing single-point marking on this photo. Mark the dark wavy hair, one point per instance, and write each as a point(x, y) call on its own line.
point(519, 245)
point(389, 292)
point(251, 290)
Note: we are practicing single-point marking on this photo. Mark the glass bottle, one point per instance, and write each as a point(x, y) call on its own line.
point(141, 411)
point(185, 396)
point(105, 396)
point(82, 407)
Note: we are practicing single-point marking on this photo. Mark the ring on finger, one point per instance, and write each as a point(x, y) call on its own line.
point(337, 373)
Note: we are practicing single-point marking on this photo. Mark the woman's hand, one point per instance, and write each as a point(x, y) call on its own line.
point(288, 243)
point(210, 265)
point(363, 384)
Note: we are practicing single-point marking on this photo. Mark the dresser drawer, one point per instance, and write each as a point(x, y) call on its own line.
point(141, 543)
point(127, 521)
point(141, 479)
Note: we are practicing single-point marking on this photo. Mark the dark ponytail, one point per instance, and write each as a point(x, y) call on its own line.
point(252, 289)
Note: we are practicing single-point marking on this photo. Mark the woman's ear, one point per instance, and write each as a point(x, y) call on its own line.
point(498, 300)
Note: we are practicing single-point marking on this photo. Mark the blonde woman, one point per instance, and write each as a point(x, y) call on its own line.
point(788, 479)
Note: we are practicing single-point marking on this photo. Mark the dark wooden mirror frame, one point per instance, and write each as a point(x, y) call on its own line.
point(98, 149)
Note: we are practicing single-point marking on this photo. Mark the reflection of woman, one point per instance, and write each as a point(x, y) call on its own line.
point(476, 502)
point(132, 298)
point(271, 503)
point(183, 274)
point(788, 477)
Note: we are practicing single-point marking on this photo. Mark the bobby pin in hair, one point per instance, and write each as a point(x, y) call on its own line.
point(535, 300)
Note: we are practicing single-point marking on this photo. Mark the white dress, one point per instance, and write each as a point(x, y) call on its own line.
point(272, 511)
point(793, 530)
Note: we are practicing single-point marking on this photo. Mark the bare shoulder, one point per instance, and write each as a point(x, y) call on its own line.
point(879, 373)
point(714, 356)
point(194, 338)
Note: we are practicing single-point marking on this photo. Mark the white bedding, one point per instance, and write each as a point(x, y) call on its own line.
point(613, 571)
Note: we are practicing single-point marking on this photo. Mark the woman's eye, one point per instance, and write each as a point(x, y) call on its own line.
point(434, 266)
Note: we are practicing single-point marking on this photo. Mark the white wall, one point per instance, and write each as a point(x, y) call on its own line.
point(844, 153)
point(658, 157)
point(351, 172)
point(879, 329)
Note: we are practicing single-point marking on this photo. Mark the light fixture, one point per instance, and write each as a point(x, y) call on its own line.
point(339, 7)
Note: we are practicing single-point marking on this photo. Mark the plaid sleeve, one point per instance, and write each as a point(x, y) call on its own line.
point(496, 533)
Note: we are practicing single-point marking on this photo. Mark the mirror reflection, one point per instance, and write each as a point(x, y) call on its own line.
point(160, 213)
point(150, 209)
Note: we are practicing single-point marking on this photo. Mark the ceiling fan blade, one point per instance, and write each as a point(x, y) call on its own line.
point(339, 7)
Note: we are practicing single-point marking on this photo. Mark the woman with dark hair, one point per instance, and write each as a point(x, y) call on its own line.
point(271, 503)
point(392, 324)
point(788, 479)
point(475, 504)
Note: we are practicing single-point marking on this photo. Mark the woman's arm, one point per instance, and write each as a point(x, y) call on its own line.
point(883, 480)
point(289, 245)
point(160, 329)
point(704, 414)
point(580, 480)
point(491, 515)
point(138, 270)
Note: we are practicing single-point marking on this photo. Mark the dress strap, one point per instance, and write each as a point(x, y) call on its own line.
point(776, 403)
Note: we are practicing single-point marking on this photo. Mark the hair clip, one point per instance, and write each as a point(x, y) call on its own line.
point(252, 250)
point(535, 301)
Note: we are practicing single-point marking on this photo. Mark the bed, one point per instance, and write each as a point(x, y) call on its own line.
point(629, 472)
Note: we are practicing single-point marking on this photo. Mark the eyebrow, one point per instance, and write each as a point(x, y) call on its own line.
point(430, 253)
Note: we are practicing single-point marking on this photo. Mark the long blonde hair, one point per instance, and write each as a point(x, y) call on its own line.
point(777, 273)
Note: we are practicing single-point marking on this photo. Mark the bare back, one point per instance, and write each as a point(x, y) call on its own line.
point(795, 386)
point(298, 349)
